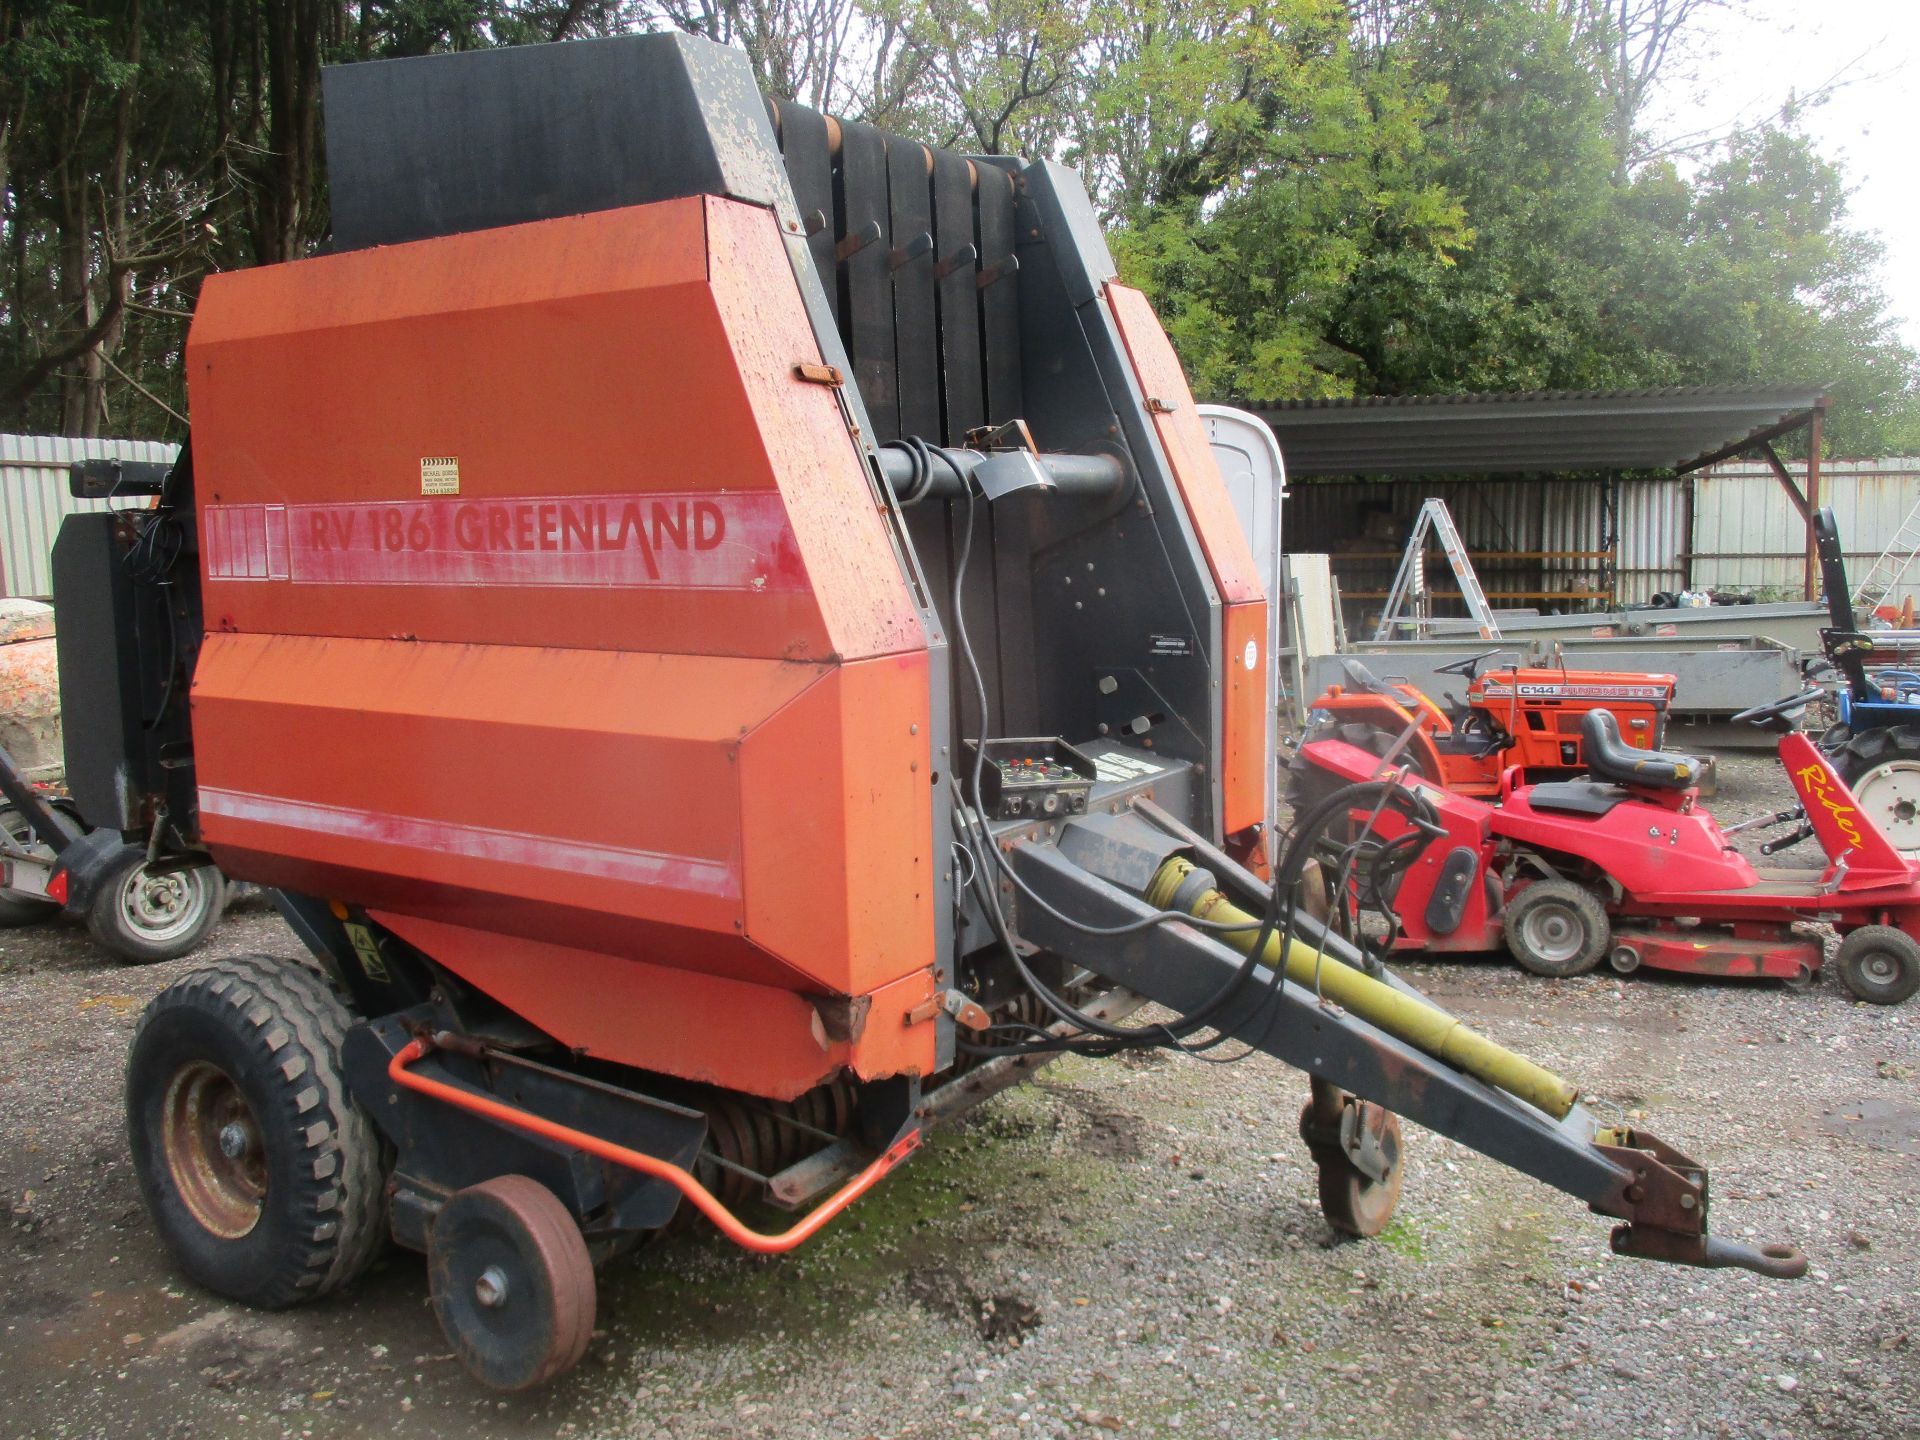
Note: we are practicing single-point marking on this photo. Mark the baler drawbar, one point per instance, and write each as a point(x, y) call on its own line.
point(723, 630)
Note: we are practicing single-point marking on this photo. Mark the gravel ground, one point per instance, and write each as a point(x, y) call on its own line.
point(1123, 1247)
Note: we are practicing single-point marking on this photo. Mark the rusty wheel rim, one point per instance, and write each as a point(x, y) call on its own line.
point(213, 1150)
point(1353, 1203)
point(512, 1282)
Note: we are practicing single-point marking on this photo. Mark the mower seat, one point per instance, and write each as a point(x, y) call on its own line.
point(1575, 797)
point(1609, 757)
point(1359, 677)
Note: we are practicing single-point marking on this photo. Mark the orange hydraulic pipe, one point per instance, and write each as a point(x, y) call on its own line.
point(728, 1223)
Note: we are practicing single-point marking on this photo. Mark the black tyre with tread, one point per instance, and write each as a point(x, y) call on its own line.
point(140, 930)
point(1879, 964)
point(1877, 750)
point(1557, 929)
point(251, 1047)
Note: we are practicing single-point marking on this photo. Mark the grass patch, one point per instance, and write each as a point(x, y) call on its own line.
point(1403, 1239)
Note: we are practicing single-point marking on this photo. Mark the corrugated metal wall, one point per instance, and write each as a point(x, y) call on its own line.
point(1747, 535)
point(1654, 523)
point(34, 499)
point(1540, 544)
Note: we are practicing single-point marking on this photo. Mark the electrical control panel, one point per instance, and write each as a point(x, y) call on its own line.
point(1035, 778)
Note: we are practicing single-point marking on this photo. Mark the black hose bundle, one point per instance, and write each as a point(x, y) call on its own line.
point(1095, 1036)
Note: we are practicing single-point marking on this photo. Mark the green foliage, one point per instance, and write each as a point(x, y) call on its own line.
point(1323, 197)
point(1462, 222)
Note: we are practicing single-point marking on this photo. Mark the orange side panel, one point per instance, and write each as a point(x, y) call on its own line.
point(837, 812)
point(1243, 744)
point(1184, 438)
point(1244, 749)
point(836, 524)
point(571, 432)
point(890, 1044)
point(762, 1039)
point(585, 797)
point(765, 1040)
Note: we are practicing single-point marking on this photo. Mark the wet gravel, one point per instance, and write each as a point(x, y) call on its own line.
point(1126, 1247)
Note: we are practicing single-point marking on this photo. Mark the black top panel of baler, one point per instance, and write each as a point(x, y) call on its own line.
point(443, 144)
point(915, 249)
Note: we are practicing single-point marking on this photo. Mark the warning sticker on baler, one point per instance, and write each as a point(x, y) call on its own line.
point(1114, 768)
point(673, 541)
point(439, 474)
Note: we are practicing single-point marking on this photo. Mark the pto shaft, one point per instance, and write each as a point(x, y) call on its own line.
point(1417, 1023)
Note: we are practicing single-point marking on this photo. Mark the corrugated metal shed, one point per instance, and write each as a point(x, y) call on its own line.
point(1534, 432)
point(34, 499)
point(1535, 544)
point(1747, 535)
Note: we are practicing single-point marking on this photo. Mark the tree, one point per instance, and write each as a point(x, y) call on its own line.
point(1324, 197)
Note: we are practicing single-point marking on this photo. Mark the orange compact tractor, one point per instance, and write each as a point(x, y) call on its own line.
point(1527, 716)
point(722, 629)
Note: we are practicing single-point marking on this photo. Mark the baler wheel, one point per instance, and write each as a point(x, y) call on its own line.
point(263, 1177)
point(1354, 1202)
point(512, 1282)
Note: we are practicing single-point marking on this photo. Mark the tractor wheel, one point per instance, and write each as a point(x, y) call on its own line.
point(1880, 964)
point(512, 1283)
point(264, 1178)
point(1882, 768)
point(1557, 928)
point(143, 916)
point(17, 910)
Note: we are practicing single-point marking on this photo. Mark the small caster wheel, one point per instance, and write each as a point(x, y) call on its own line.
point(1879, 964)
point(512, 1282)
point(1358, 1156)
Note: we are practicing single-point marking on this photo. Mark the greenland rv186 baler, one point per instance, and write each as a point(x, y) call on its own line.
point(722, 629)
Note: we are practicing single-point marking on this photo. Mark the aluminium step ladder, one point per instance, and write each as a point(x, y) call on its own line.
point(1892, 566)
point(1410, 584)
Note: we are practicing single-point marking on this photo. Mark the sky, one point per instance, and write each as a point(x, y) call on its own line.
point(1750, 56)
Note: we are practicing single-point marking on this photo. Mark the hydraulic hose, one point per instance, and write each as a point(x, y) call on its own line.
point(1433, 1031)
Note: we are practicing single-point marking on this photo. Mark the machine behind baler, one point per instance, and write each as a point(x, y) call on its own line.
point(615, 576)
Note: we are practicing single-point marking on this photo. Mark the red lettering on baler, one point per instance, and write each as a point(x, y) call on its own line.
point(670, 524)
point(469, 533)
point(737, 541)
point(709, 525)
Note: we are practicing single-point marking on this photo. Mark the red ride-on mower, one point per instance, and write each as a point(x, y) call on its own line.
point(1525, 716)
point(1624, 866)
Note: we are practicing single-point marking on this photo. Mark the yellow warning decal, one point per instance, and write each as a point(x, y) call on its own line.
point(369, 953)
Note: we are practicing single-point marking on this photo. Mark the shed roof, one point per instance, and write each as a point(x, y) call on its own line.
point(1537, 431)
